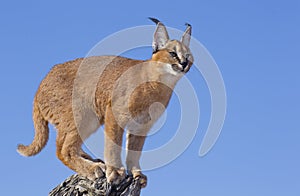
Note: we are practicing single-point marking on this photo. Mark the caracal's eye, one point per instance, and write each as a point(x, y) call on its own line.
point(173, 54)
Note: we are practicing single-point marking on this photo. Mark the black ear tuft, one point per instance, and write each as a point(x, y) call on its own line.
point(156, 21)
point(187, 24)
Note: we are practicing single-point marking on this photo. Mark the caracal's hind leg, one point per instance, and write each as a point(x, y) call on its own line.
point(115, 172)
point(83, 154)
point(70, 153)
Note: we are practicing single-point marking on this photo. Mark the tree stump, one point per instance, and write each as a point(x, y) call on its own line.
point(77, 185)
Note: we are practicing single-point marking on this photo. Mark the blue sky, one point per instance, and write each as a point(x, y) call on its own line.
point(256, 45)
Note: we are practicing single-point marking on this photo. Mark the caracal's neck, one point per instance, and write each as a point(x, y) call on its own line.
point(161, 72)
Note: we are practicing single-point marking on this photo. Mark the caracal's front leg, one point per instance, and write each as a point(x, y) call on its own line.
point(135, 145)
point(115, 172)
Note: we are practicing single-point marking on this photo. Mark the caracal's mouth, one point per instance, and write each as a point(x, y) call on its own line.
point(181, 68)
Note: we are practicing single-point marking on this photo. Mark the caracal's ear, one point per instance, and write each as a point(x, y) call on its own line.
point(161, 36)
point(186, 37)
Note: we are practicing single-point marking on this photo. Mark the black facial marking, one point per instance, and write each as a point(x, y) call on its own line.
point(175, 67)
point(173, 54)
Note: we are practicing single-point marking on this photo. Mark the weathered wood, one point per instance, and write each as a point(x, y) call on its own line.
point(77, 185)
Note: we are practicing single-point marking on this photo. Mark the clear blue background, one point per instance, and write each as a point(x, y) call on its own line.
point(256, 45)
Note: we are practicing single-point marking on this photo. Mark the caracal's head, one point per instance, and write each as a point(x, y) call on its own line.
point(175, 56)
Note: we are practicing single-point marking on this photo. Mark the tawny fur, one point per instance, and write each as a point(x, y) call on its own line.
point(115, 102)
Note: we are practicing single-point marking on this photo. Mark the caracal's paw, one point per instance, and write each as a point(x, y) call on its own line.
point(137, 174)
point(97, 170)
point(115, 175)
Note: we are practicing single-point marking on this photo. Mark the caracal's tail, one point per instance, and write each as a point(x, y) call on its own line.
point(40, 137)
